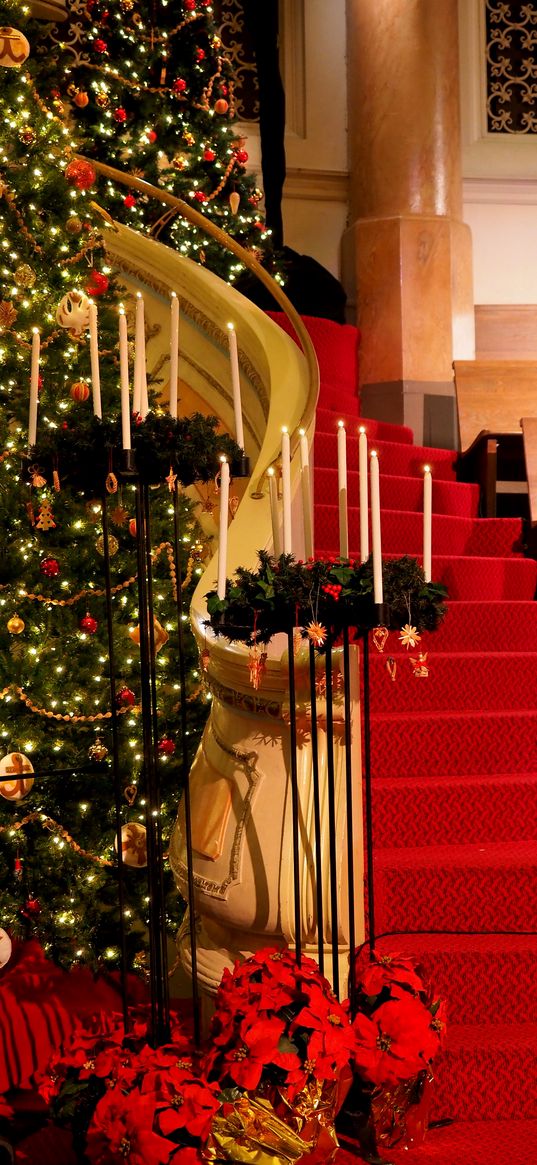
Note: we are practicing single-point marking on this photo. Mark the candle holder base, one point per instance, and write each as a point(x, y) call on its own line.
point(382, 614)
point(128, 463)
point(240, 466)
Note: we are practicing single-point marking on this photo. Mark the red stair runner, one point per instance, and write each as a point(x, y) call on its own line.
point(455, 777)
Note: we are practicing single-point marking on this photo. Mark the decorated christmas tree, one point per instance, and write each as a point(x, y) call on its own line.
point(149, 90)
point(58, 864)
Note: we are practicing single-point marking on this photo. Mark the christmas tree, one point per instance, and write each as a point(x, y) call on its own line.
point(58, 866)
point(150, 91)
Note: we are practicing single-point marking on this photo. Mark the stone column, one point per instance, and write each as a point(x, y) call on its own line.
point(411, 250)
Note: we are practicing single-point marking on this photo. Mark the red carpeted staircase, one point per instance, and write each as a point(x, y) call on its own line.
point(454, 764)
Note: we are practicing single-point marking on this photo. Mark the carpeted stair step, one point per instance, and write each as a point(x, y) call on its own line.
point(394, 458)
point(402, 493)
point(474, 625)
point(402, 533)
point(460, 680)
point(487, 1072)
point(486, 979)
point(495, 1142)
point(489, 887)
point(491, 578)
point(326, 421)
point(413, 811)
point(440, 744)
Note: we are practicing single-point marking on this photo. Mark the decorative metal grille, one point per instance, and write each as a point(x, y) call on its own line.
point(229, 15)
point(511, 32)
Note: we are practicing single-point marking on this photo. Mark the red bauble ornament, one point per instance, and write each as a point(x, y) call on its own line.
point(80, 174)
point(224, 90)
point(179, 85)
point(152, 136)
point(50, 567)
point(199, 196)
point(166, 746)
point(221, 106)
point(241, 156)
point(79, 390)
point(125, 698)
point(88, 624)
point(120, 115)
point(98, 283)
point(132, 527)
point(100, 46)
point(190, 5)
point(200, 54)
point(209, 155)
point(31, 908)
point(129, 201)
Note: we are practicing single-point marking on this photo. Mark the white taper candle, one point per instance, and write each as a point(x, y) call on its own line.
point(342, 490)
point(94, 360)
point(222, 538)
point(307, 490)
point(124, 380)
point(140, 402)
point(364, 515)
point(378, 593)
point(427, 522)
point(174, 353)
point(274, 512)
point(34, 387)
point(286, 491)
point(236, 385)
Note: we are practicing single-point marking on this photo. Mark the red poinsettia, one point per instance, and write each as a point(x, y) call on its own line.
point(395, 1042)
point(122, 1129)
point(188, 1102)
point(381, 971)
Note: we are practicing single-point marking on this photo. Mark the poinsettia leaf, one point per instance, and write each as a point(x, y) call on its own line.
point(286, 1045)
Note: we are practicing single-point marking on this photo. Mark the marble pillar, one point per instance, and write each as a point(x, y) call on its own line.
point(410, 249)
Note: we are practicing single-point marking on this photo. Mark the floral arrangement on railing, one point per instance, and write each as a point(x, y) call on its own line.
point(281, 1061)
point(399, 1028)
point(323, 596)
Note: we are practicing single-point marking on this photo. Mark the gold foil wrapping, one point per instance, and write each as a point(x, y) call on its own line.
point(249, 1131)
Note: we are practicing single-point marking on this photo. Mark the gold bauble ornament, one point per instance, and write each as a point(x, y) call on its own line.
point(113, 545)
point(27, 135)
point(14, 767)
point(15, 625)
point(8, 314)
point(102, 100)
point(24, 276)
point(188, 137)
point(180, 162)
point(14, 48)
point(126, 5)
point(74, 225)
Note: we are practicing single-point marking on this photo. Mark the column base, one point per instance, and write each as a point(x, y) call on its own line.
point(427, 407)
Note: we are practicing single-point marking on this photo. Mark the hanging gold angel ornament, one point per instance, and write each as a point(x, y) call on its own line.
point(257, 665)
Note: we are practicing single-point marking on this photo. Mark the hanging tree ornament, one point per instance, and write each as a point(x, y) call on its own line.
point(80, 173)
point(45, 517)
point(125, 698)
point(88, 624)
point(50, 567)
point(8, 314)
point(73, 313)
point(15, 625)
point(257, 665)
point(14, 48)
point(113, 545)
point(160, 635)
point(409, 636)
point(316, 633)
point(391, 667)
point(133, 844)
point(166, 746)
point(27, 135)
point(25, 276)
point(419, 665)
point(15, 766)
point(98, 750)
point(234, 201)
point(380, 637)
point(79, 391)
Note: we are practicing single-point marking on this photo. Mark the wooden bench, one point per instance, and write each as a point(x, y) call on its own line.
point(497, 449)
